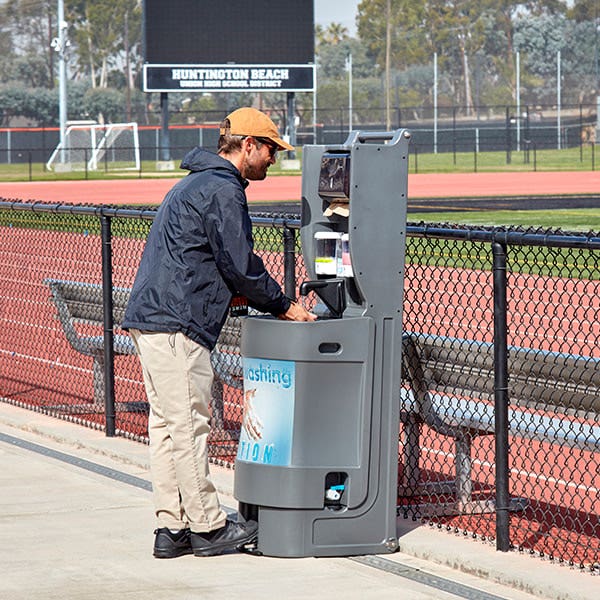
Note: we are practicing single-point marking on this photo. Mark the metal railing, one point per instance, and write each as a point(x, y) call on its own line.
point(500, 435)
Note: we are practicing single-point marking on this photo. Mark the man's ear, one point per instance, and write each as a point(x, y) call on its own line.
point(247, 143)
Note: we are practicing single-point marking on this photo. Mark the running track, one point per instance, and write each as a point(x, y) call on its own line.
point(287, 187)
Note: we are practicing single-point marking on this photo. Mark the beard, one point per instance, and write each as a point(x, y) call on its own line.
point(256, 172)
point(256, 167)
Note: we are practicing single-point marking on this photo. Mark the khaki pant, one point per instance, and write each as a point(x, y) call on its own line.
point(178, 379)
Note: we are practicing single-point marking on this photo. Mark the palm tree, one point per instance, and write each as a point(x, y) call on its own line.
point(335, 33)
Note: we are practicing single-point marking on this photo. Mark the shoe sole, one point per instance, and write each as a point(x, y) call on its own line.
point(216, 550)
point(170, 554)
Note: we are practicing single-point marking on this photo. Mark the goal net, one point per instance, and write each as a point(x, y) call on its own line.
point(94, 146)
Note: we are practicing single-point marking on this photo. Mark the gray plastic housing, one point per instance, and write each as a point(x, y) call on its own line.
point(345, 421)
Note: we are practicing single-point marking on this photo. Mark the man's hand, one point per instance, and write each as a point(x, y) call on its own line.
point(296, 312)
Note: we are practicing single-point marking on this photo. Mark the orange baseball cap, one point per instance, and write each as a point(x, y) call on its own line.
point(253, 122)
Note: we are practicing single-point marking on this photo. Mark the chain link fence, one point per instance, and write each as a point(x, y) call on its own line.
point(500, 401)
point(455, 473)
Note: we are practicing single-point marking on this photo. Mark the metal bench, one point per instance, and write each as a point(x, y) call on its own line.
point(81, 314)
point(450, 388)
point(227, 366)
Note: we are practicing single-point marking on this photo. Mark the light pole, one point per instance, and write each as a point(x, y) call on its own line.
point(315, 110)
point(558, 101)
point(349, 69)
point(435, 102)
point(596, 57)
point(60, 45)
point(597, 71)
point(518, 93)
point(388, 52)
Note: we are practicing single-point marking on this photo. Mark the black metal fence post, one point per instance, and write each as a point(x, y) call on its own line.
point(454, 134)
point(501, 396)
point(289, 262)
point(109, 354)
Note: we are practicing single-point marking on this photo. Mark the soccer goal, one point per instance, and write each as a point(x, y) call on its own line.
point(92, 146)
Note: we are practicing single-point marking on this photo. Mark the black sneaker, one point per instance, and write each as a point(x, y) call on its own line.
point(231, 536)
point(170, 545)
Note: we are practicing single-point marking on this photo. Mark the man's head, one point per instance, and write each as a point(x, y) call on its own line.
point(250, 140)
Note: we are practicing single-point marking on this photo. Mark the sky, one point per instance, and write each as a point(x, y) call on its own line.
point(337, 11)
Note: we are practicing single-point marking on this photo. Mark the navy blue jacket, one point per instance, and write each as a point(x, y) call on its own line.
point(198, 254)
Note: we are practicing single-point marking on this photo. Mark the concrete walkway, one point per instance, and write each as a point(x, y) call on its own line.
point(76, 524)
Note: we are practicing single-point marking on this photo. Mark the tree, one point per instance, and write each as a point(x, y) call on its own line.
point(333, 35)
point(539, 39)
point(332, 76)
point(456, 35)
point(104, 105)
point(39, 105)
point(584, 10)
point(452, 28)
point(106, 33)
point(30, 70)
point(409, 37)
point(331, 60)
point(32, 26)
point(6, 46)
point(472, 38)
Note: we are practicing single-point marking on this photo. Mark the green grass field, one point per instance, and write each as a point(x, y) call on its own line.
point(558, 262)
point(570, 159)
point(584, 219)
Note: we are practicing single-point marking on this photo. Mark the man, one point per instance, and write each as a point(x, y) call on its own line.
point(198, 256)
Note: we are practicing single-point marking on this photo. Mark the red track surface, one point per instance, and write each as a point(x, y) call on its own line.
point(287, 187)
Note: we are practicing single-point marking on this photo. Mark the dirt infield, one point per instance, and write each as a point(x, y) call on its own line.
point(288, 187)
